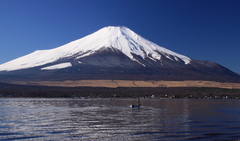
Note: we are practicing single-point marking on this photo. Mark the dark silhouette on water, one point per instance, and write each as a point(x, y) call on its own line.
point(138, 105)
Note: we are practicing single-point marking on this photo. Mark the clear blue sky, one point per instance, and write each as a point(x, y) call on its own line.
point(200, 29)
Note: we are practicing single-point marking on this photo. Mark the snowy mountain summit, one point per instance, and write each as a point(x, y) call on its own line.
point(112, 38)
point(113, 52)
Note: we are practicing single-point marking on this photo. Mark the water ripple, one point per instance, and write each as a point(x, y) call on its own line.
point(104, 119)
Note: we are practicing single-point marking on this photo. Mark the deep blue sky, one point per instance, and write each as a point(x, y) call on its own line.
point(200, 29)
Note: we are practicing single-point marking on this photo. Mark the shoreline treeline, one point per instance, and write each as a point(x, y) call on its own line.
point(12, 90)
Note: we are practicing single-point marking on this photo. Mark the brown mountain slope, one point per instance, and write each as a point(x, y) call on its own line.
point(130, 83)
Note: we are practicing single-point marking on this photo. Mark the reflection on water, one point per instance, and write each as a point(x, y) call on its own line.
point(105, 119)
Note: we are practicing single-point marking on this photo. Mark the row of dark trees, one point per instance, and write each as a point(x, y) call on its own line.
point(11, 90)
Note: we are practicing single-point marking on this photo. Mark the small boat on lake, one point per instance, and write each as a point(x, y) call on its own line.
point(136, 106)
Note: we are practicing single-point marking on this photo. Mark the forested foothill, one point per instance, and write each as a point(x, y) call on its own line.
point(12, 90)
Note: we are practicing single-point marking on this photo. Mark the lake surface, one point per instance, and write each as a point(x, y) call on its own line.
point(106, 119)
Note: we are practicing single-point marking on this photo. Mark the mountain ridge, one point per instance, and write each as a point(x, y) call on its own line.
point(113, 53)
point(120, 38)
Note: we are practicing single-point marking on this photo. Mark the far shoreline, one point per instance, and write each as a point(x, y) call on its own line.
point(33, 91)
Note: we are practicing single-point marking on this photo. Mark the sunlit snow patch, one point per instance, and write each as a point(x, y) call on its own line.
point(58, 66)
point(156, 56)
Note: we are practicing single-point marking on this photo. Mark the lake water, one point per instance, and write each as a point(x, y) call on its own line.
point(106, 119)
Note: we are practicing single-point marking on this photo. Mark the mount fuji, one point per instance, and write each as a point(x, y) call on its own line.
point(112, 53)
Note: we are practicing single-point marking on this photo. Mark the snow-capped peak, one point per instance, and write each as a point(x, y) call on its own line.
point(120, 38)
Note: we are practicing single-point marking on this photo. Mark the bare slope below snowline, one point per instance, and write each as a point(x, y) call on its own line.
point(130, 83)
